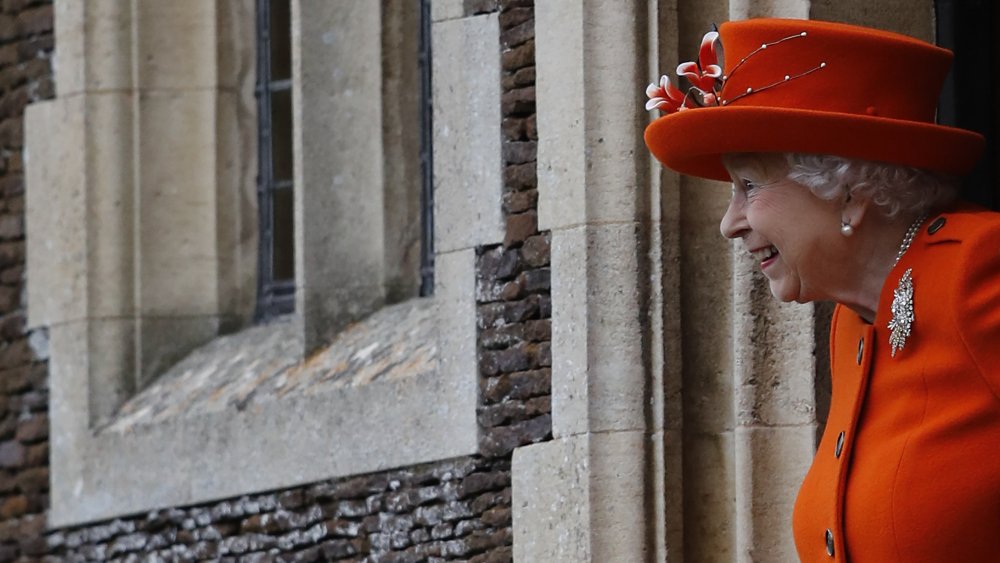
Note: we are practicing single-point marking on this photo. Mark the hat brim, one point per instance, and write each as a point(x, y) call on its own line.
point(693, 141)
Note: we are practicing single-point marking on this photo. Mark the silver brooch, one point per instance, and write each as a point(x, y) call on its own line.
point(902, 312)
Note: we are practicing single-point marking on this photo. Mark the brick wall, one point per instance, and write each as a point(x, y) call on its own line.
point(26, 43)
point(455, 509)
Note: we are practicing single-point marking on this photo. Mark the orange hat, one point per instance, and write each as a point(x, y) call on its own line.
point(809, 87)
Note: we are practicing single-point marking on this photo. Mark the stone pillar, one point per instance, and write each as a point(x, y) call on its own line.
point(586, 495)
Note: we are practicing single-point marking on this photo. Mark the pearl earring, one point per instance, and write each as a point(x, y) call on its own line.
point(846, 229)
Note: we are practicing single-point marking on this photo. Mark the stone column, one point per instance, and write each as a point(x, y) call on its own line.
point(586, 495)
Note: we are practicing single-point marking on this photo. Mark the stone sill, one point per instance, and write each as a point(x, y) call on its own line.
point(239, 416)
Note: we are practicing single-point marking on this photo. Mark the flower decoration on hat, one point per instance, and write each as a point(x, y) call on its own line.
point(707, 79)
point(665, 96)
point(706, 74)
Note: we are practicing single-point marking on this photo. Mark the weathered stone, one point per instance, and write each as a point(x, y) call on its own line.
point(15, 354)
point(513, 411)
point(545, 306)
point(344, 528)
point(520, 176)
point(519, 57)
point(482, 540)
point(419, 535)
point(490, 499)
point(524, 77)
point(514, 152)
point(11, 254)
point(513, 17)
point(37, 454)
point(518, 35)
point(540, 330)
point(543, 355)
point(512, 290)
point(502, 554)
point(205, 550)
point(35, 21)
point(498, 516)
point(351, 508)
point(245, 543)
point(512, 4)
point(479, 482)
point(291, 499)
point(12, 325)
point(536, 280)
point(338, 549)
point(520, 227)
point(493, 362)
point(12, 276)
point(33, 480)
point(442, 531)
point(11, 226)
point(14, 506)
point(514, 128)
point(126, 544)
point(455, 510)
point(497, 263)
point(531, 127)
point(12, 454)
point(503, 337)
point(466, 527)
point(520, 201)
point(9, 298)
point(517, 386)
point(536, 250)
point(502, 440)
point(519, 102)
point(474, 7)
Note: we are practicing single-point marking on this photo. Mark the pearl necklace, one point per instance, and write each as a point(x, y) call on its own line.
point(911, 233)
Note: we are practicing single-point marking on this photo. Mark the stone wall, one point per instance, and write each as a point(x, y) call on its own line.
point(26, 44)
point(457, 509)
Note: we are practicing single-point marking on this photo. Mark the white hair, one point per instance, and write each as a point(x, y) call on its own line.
point(894, 189)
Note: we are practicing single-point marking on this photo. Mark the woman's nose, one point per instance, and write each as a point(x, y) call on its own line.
point(734, 222)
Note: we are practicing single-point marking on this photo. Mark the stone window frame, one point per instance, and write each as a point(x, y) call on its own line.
point(106, 209)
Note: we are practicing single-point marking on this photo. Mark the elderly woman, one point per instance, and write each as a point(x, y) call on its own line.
point(844, 189)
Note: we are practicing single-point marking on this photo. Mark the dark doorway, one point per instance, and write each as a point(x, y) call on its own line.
point(970, 98)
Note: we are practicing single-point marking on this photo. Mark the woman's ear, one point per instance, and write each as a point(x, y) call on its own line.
point(854, 209)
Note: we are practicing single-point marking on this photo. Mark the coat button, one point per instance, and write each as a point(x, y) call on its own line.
point(840, 445)
point(936, 225)
point(829, 543)
point(861, 349)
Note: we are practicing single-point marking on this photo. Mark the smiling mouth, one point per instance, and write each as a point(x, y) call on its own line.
point(766, 255)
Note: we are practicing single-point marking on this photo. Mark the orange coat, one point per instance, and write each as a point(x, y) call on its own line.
point(908, 469)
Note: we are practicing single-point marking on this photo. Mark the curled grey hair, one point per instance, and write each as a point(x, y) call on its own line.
point(895, 189)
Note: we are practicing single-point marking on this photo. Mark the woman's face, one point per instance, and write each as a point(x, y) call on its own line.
point(793, 235)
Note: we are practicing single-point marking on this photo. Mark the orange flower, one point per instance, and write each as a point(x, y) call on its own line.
point(706, 73)
point(665, 96)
